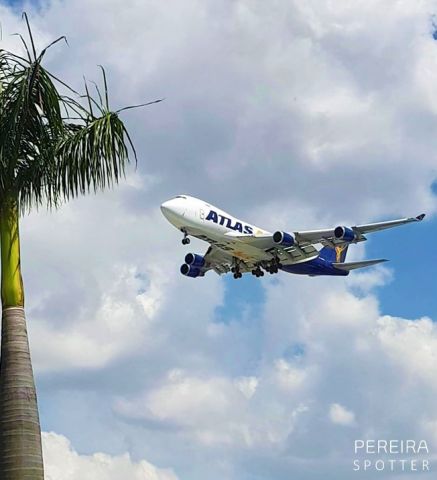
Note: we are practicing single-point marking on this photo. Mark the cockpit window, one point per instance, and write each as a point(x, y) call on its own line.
point(181, 196)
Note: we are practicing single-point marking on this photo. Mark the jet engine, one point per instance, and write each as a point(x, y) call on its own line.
point(194, 260)
point(190, 271)
point(283, 238)
point(344, 233)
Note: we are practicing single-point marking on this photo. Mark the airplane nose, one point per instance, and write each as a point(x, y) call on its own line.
point(172, 209)
point(166, 207)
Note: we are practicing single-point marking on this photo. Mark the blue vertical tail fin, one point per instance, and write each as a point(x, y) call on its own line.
point(335, 254)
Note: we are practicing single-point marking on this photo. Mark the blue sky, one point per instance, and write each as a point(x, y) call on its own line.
point(412, 255)
point(292, 115)
point(18, 3)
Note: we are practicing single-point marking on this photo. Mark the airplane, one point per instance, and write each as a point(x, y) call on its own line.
point(240, 247)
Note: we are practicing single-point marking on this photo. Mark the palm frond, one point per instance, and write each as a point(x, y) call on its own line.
point(140, 105)
point(54, 146)
point(92, 157)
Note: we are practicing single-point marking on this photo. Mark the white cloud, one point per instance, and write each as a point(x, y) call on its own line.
point(204, 406)
point(215, 411)
point(328, 93)
point(349, 357)
point(62, 462)
point(411, 346)
point(341, 415)
point(247, 385)
point(288, 376)
point(369, 279)
point(183, 396)
point(107, 290)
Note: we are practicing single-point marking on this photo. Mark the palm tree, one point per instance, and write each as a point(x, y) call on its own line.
point(53, 146)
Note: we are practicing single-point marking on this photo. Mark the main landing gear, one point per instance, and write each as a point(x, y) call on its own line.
point(185, 240)
point(236, 271)
point(258, 272)
point(274, 266)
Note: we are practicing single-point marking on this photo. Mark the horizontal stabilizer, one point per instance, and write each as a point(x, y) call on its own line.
point(353, 265)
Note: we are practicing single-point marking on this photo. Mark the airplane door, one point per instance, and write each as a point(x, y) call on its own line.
point(202, 214)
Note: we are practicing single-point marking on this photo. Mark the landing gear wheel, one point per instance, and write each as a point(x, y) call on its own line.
point(257, 272)
point(235, 268)
point(276, 264)
point(185, 240)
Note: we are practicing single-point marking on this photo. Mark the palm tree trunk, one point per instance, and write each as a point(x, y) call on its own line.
point(20, 434)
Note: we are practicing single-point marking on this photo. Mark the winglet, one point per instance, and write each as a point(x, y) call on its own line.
point(420, 217)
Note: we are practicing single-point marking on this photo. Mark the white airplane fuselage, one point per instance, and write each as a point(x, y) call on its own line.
point(204, 221)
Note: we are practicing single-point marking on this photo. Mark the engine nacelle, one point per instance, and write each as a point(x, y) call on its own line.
point(283, 238)
point(344, 233)
point(194, 260)
point(190, 271)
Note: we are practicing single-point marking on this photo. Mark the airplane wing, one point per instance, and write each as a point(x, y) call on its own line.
point(349, 234)
point(373, 227)
point(264, 243)
point(221, 261)
point(217, 260)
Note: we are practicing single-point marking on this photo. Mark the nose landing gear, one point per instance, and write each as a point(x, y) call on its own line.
point(185, 240)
